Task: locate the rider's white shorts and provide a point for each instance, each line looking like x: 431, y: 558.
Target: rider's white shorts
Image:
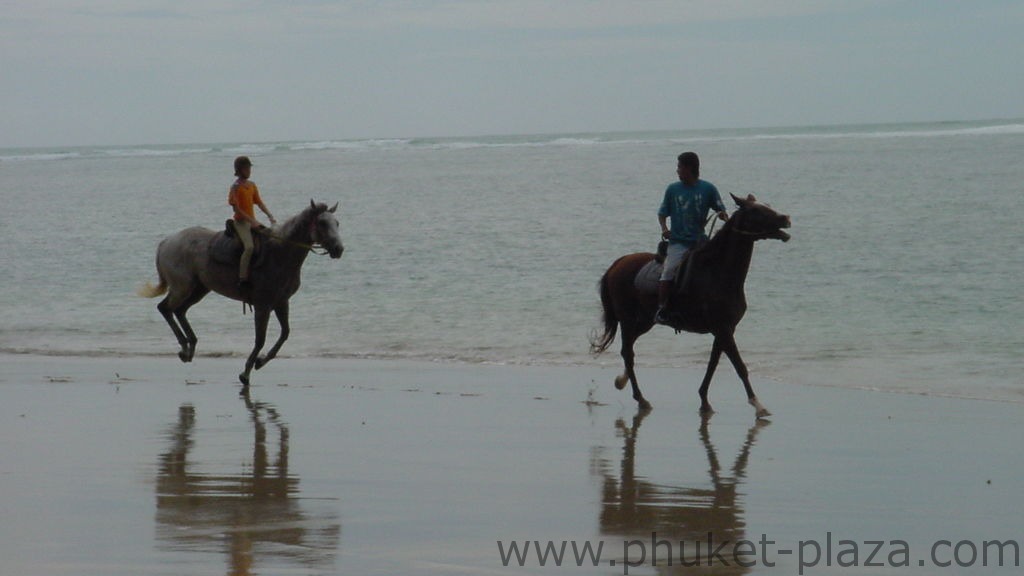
x: 673, y: 259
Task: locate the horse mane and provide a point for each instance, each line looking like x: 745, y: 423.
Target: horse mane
x: 300, y: 221
x: 718, y: 239
x: 729, y: 225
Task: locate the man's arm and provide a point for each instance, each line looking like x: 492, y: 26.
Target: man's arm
x: 717, y: 204
x: 663, y: 212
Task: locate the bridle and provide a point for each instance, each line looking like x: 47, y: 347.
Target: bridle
x: 315, y: 248
x: 713, y: 219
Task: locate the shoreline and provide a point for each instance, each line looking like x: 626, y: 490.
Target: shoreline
x: 609, y: 362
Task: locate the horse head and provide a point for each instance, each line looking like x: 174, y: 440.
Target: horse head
x: 324, y: 228
x: 759, y: 220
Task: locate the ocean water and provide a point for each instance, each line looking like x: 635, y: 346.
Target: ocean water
x: 903, y: 273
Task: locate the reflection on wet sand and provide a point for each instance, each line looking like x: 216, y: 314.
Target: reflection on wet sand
x: 678, y: 518
x: 253, y: 515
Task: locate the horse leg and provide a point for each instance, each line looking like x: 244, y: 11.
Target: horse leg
x: 282, y: 318
x: 190, y: 335
x: 716, y: 354
x: 629, y: 335
x: 168, y: 313
x: 730, y: 349
x: 261, y: 317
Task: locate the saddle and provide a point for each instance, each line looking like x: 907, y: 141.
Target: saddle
x: 648, y: 278
x: 225, y: 247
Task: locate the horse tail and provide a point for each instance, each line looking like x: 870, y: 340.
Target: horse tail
x: 147, y: 290
x: 600, y: 343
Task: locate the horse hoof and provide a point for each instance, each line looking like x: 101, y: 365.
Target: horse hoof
x: 706, y: 410
x: 620, y: 381
x: 184, y: 357
x: 760, y: 411
x: 643, y: 404
x: 243, y: 378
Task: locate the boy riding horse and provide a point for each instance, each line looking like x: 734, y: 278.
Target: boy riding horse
x: 242, y: 197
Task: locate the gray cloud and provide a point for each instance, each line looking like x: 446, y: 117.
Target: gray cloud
x: 95, y: 72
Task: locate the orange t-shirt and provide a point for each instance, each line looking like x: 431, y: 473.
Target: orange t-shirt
x: 243, y: 196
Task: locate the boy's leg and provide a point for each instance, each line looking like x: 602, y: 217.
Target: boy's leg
x: 245, y: 237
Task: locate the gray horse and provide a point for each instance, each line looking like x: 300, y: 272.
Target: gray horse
x: 193, y: 262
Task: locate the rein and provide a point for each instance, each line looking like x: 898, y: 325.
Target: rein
x: 713, y: 219
x: 319, y: 251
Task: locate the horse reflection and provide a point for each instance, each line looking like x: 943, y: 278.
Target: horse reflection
x: 682, y: 518
x: 251, y: 515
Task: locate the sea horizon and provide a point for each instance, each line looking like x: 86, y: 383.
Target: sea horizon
x: 909, y: 128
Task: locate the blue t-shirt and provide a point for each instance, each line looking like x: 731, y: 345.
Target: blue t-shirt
x: 687, y: 207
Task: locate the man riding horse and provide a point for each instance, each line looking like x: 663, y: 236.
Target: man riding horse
x: 708, y: 299
x: 686, y: 204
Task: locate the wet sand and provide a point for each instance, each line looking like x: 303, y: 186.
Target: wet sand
x: 148, y: 466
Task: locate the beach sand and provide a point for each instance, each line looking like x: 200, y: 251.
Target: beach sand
x: 149, y: 466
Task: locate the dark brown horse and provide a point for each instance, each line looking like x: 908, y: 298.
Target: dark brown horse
x: 712, y: 302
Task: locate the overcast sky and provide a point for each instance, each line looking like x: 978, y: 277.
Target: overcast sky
x: 92, y: 72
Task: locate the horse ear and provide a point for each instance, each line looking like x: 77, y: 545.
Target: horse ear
x: 333, y: 208
x: 740, y: 201
x: 312, y: 204
x: 750, y: 198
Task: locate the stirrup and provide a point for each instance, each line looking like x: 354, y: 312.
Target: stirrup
x: 245, y: 292
x: 661, y: 316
